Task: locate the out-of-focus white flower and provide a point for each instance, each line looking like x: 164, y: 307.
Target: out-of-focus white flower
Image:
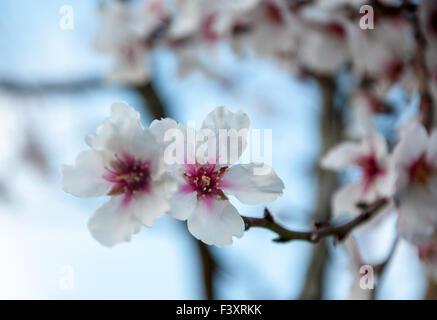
x: 186, y: 19
x: 208, y: 21
x: 336, y: 4
x: 377, y: 174
x: 205, y: 183
x: 323, y: 43
x: 427, y: 252
x: 125, y: 30
x: 383, y: 52
x: 272, y: 32
x: 199, y: 25
x: 319, y: 36
x: 124, y: 163
x: 416, y: 186
x: 363, y: 105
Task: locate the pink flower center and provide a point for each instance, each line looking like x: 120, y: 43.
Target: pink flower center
x: 273, y: 13
x: 129, y: 176
x: 428, y: 252
x: 129, y: 53
x: 206, y: 180
x: 420, y: 171
x: 208, y: 32
x: 374, y: 104
x: 394, y: 69
x: 157, y: 8
x: 336, y: 29
x: 371, y: 169
x: 240, y: 28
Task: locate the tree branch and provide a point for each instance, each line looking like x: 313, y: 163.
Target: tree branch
x: 422, y: 74
x: 321, y: 230
x: 154, y: 103
x: 330, y: 133
x: 70, y: 86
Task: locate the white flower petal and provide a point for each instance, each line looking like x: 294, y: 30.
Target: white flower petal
x: 385, y: 185
x: 85, y: 178
x: 188, y: 17
x: 360, y: 115
x: 112, y: 223
x: 323, y: 52
x: 216, y: 224
x: 173, y: 137
x: 223, y: 118
x: 159, y: 127
x: 412, y: 145
x: 122, y: 133
x: 342, y: 156
x: 236, y: 124
x: 252, y: 187
x: 345, y: 199
x: 146, y: 207
x: 376, y: 143
x: 132, y: 68
x: 417, y: 214
x: 183, y: 205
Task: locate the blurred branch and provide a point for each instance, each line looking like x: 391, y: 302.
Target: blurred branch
x: 209, y: 266
x: 330, y: 132
x: 70, y: 86
x: 154, y: 103
x: 322, y: 230
x: 426, y: 101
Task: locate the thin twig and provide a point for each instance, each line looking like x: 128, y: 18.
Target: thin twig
x: 340, y: 231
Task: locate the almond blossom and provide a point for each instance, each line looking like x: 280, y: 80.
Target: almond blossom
x: 427, y: 253
x: 371, y: 157
x: 125, y: 163
x: 382, y: 53
x: 269, y: 30
x: 323, y: 45
x: 415, y: 159
x: 364, y: 104
x: 124, y: 34
x: 205, y: 183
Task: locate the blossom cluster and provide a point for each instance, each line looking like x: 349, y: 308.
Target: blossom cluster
x: 128, y: 163
x: 407, y: 176
x: 320, y: 37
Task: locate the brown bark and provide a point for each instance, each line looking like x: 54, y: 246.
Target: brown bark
x: 330, y: 128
